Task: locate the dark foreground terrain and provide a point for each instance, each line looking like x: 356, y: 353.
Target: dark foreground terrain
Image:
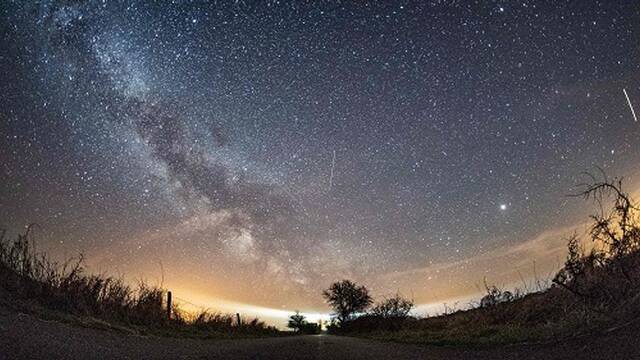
x: 24, y: 336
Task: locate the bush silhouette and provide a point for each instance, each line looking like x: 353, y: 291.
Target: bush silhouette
x: 347, y: 298
x: 296, y: 321
x: 299, y: 324
x: 608, y: 276
x: 396, y: 307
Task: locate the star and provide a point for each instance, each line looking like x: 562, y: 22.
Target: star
x: 261, y: 144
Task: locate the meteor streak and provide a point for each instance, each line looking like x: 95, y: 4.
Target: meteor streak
x: 333, y: 164
x: 633, y: 112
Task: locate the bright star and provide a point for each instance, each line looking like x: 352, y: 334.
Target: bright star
x: 503, y: 207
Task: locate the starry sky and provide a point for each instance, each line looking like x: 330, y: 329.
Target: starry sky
x: 254, y: 152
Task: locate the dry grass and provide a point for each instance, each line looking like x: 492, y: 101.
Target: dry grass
x: 33, y: 279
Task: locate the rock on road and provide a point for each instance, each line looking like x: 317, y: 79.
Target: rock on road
x: 24, y: 336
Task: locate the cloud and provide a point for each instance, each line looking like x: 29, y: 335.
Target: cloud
x: 549, y: 243
x: 506, y: 266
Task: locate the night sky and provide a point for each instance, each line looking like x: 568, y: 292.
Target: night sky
x: 256, y: 152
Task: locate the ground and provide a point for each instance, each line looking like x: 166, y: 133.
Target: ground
x: 25, y: 336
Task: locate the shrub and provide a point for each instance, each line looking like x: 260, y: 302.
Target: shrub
x: 393, y: 307
x: 607, y: 279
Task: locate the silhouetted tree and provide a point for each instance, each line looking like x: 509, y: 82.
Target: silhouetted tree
x: 296, y: 321
x: 299, y: 324
x: 347, y: 298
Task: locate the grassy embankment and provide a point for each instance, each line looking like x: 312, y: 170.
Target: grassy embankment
x: 594, y: 291
x: 32, y: 282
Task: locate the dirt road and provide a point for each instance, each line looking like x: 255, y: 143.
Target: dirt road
x: 24, y: 336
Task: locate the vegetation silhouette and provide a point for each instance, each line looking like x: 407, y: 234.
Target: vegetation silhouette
x: 33, y: 282
x: 394, y: 307
x: 347, y: 299
x: 597, y: 287
x: 387, y: 314
x: 606, y: 278
x: 299, y: 324
x: 594, y: 290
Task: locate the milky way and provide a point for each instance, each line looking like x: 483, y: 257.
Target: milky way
x: 260, y: 151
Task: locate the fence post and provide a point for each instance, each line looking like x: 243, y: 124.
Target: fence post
x: 238, y: 317
x: 169, y: 305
